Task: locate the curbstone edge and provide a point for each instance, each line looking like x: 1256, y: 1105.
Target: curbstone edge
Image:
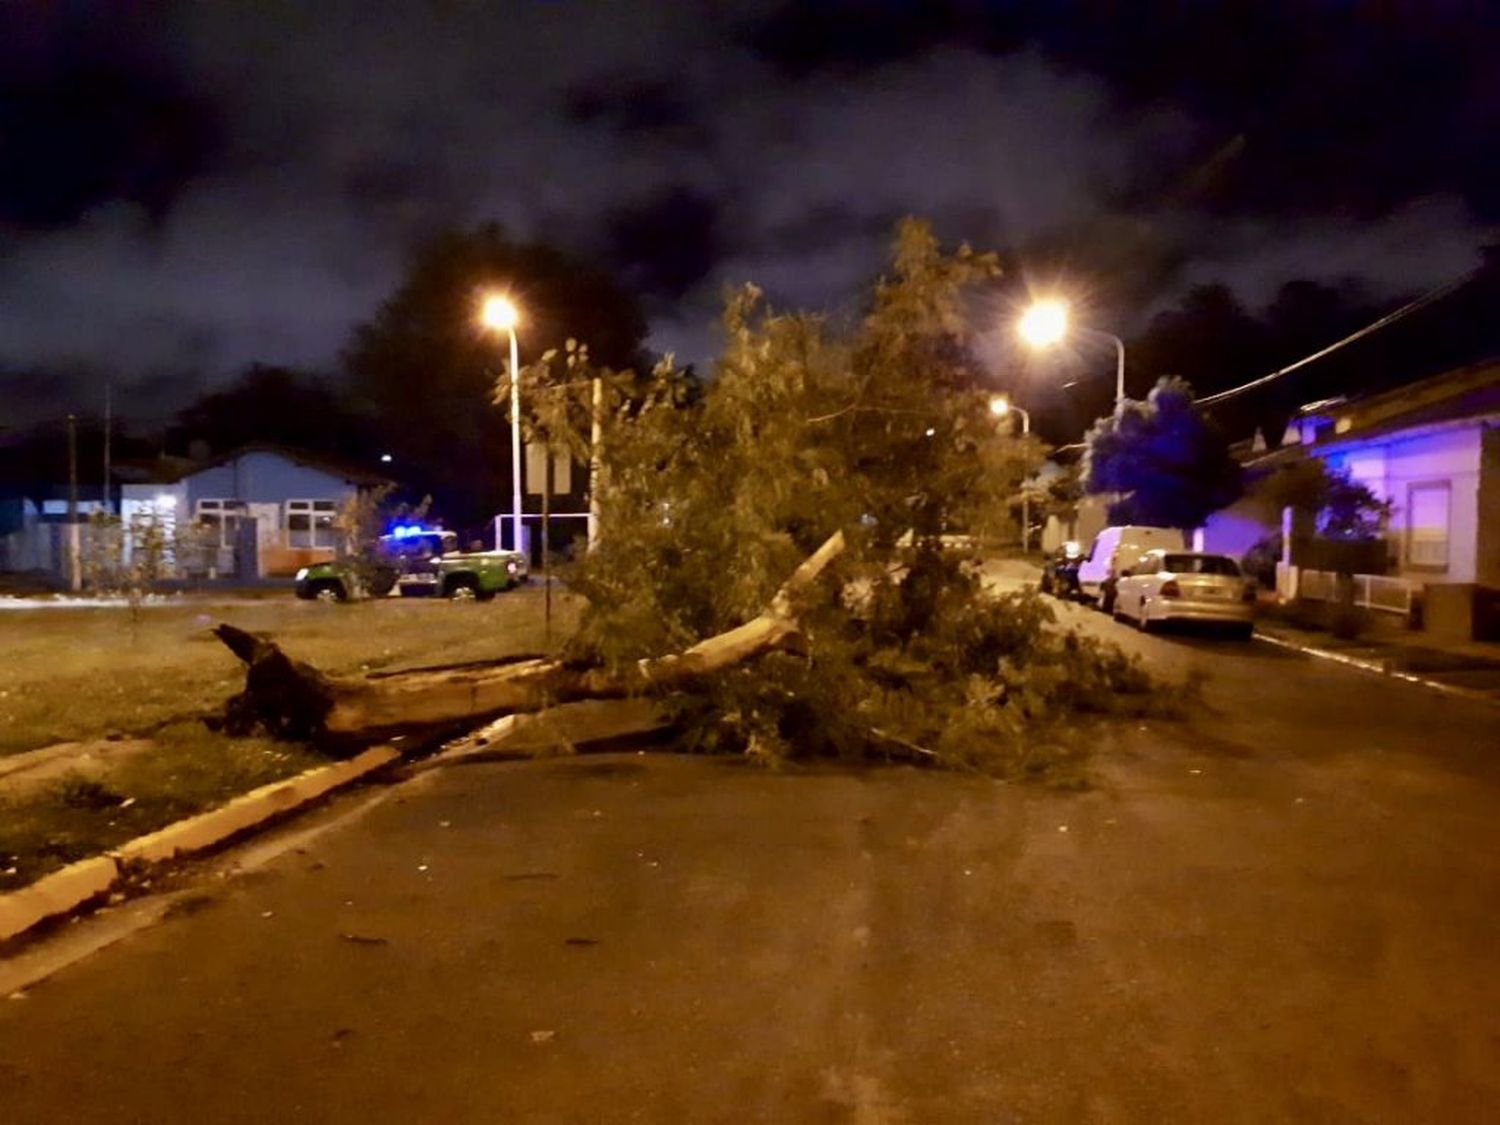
x: 56, y: 893
x: 1380, y: 668
x: 64, y: 891
x: 248, y: 810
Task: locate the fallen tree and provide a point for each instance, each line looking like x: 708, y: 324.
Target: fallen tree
x: 863, y: 461
x: 294, y: 700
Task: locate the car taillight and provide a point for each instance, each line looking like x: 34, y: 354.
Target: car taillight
x: 511, y: 566
x: 1170, y: 589
x: 1248, y: 594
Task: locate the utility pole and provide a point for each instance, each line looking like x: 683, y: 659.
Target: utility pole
x: 546, y: 548
x: 595, y: 431
x: 75, y: 562
x: 108, y: 422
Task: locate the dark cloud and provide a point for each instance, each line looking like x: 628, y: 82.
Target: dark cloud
x: 648, y: 108
x: 1356, y: 107
x: 95, y: 132
x: 805, y: 38
x: 668, y: 243
x: 242, y: 183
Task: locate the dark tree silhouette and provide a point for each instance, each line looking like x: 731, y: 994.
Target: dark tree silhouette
x: 426, y: 370
x: 282, y: 406
x: 1169, y: 465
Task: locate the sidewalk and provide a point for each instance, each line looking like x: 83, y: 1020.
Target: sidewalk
x: 1469, y: 668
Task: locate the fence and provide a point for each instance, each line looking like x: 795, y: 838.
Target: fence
x: 1373, y: 591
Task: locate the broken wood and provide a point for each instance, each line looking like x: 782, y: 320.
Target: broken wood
x: 291, y: 699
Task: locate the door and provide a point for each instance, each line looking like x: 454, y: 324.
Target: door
x: 268, y: 536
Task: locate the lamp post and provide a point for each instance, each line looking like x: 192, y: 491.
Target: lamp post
x: 1046, y: 322
x: 1000, y: 406
x: 499, y: 314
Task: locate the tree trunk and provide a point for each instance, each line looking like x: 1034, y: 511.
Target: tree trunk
x: 293, y: 700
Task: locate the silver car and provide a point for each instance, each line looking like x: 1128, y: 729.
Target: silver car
x: 1186, y: 586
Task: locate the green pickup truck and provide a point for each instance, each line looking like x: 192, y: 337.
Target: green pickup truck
x: 416, y: 562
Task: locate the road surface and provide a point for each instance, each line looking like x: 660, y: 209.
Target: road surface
x: 1284, y: 910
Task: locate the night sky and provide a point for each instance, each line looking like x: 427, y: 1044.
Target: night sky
x: 188, y: 188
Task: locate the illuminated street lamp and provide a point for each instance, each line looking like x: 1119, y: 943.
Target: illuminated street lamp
x: 1046, y: 322
x: 1000, y: 406
x: 499, y: 315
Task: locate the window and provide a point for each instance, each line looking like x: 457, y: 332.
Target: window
x: 1201, y: 564
x: 222, y: 517
x: 1427, y: 514
x: 309, y: 523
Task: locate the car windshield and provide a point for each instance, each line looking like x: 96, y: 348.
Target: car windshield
x: 1201, y: 564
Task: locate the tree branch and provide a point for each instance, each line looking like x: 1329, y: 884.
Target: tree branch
x: 295, y: 700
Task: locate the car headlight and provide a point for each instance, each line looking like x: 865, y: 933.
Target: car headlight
x: 301, y: 574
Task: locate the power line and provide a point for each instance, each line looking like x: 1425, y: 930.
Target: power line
x: 1390, y: 318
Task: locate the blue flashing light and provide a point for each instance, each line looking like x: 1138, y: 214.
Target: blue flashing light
x: 411, y: 531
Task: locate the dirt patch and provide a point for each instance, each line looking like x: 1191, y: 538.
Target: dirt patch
x: 24, y: 773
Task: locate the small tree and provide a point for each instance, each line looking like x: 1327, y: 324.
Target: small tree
x: 1165, y: 460
x: 132, y: 559
x: 1340, y: 510
x: 360, y: 521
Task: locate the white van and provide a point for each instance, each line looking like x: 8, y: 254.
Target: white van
x: 1116, y: 548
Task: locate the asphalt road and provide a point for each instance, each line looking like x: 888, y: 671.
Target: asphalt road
x: 1282, y: 911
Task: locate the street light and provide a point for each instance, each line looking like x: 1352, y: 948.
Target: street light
x: 499, y: 314
x: 1000, y: 406
x: 1046, y: 322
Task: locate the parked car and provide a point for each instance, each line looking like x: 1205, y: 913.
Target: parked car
x: 1186, y: 586
x: 416, y: 561
x: 1060, y: 571
x: 1114, y: 549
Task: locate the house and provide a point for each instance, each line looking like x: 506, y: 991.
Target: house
x: 267, y: 511
x: 1432, y: 449
x: 34, y: 527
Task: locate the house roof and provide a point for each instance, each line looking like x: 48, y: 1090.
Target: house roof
x: 1467, y: 395
x: 170, y: 470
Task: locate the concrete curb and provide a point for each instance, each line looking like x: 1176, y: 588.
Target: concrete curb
x: 1379, y: 668
x: 77, y: 884
x: 56, y: 894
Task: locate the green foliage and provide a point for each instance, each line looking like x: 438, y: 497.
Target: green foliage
x: 883, y: 432
x: 983, y: 683
x: 1165, y: 459
x: 713, y: 499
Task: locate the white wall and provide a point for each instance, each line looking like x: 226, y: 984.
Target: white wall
x: 167, y: 503
x: 1392, y: 466
x: 1451, y: 457
x: 27, y: 548
x: 1090, y: 518
x: 1237, y: 528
